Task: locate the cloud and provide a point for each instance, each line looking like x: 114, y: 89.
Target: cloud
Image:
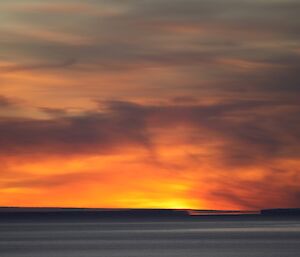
x: 273, y: 188
x: 91, y: 132
x: 56, y: 180
x: 6, y: 102
x: 250, y: 131
x: 221, y: 26
x: 37, y: 66
x: 229, y: 138
x: 206, y: 48
x: 208, y: 88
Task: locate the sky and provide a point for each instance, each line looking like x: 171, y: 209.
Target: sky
x: 150, y: 103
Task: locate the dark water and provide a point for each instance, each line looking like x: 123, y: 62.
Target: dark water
x: 207, y: 238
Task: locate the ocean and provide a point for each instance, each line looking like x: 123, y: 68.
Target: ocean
x: 207, y: 237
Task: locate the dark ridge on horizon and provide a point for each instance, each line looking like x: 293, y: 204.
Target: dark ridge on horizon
x: 281, y: 211
x: 120, y: 210
x: 89, y: 214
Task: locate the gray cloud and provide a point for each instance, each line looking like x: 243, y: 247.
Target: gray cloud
x: 231, y: 69
x: 37, y: 66
x: 141, y: 36
x: 272, y: 192
x: 92, y: 132
x: 252, y: 133
x: 249, y: 133
x: 6, y: 102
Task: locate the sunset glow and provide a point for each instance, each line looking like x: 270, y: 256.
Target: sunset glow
x: 135, y: 104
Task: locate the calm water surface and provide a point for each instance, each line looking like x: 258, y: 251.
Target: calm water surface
x: 207, y: 238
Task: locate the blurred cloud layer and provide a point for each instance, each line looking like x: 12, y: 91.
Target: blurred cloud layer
x: 161, y: 103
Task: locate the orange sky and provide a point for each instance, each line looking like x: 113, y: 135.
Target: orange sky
x: 161, y: 104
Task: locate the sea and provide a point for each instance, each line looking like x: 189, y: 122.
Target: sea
x: 203, y: 237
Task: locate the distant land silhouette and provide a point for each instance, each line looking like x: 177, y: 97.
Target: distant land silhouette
x: 285, y: 211
x: 16, y: 213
